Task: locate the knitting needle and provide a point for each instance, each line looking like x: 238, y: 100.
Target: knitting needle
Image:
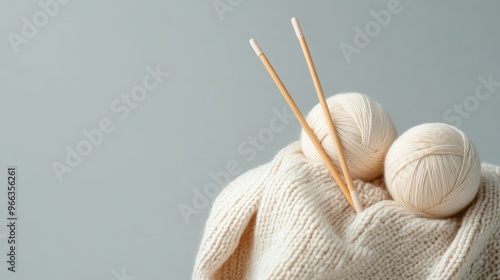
x: 301, y: 120
x: 333, y: 131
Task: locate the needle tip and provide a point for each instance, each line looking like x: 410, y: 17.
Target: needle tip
x: 255, y: 47
x: 296, y: 27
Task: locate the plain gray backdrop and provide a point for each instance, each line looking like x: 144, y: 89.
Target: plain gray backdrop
x: 117, y: 214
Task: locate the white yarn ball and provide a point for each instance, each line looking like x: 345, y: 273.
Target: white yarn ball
x: 433, y: 170
x: 364, y: 128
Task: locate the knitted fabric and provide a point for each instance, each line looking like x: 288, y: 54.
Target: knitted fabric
x: 288, y: 220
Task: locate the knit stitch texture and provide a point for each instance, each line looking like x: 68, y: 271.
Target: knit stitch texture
x: 287, y: 219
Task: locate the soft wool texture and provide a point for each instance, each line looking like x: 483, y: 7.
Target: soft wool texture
x: 433, y: 170
x: 364, y: 128
x: 288, y: 220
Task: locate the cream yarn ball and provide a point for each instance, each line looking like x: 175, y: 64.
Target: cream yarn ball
x: 433, y: 170
x: 364, y: 128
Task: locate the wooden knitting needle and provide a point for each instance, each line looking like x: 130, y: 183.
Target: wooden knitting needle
x: 301, y: 120
x: 358, y: 206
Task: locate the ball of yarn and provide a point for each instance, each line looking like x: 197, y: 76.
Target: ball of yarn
x: 364, y: 128
x: 433, y: 170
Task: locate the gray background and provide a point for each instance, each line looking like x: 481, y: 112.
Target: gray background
x: 118, y: 211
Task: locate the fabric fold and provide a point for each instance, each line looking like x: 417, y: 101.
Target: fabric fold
x: 289, y: 220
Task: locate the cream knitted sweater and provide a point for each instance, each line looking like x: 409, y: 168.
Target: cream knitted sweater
x: 288, y: 220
